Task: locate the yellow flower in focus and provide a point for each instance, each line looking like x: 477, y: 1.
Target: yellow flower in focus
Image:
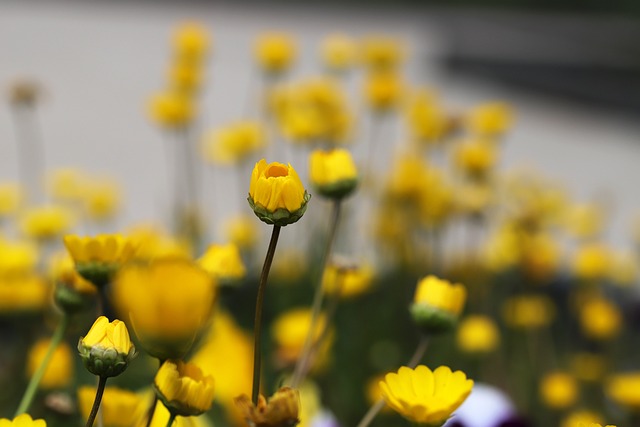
x: 168, y: 301
x: 383, y: 90
x: 120, y: 407
x: 600, y: 319
x: 276, y: 193
x: 338, y: 52
x: 347, y: 280
x: 224, y: 263
x: 581, y: 418
x: 107, y: 348
x: 234, y: 143
x: 437, y: 304
x: 333, y: 173
x: 623, y: 390
x: 171, y: 109
x: 528, y: 311
x: 588, y: 367
x: 478, y: 334
x: 46, y: 222
x: 10, y: 198
x: 475, y: 158
x: 424, y: 396
x: 381, y: 53
x: 281, y: 410
x: 191, y: 42
x: 102, y: 199
x: 490, y: 119
x: 242, y: 232
x: 183, y: 388
x: 290, y: 330
x: 275, y: 52
x: 23, y: 420
x: 59, y: 372
x: 558, y: 390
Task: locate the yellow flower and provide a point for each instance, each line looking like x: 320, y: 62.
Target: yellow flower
x: 281, y: 410
x: 381, y: 53
x: 23, y: 420
x: 558, y: 390
x: 476, y: 157
x: 17, y: 258
x: 224, y: 263
x: 62, y: 270
x: 490, y: 119
x: 437, y: 304
x: 59, y: 372
x: 161, y: 418
x: 191, y: 42
x: 427, y: 120
x: 107, y: 348
x: 154, y: 244
x: 528, y: 311
x: 333, y: 173
x: 383, y: 90
x: 424, y: 396
x: 242, y: 232
x: 478, y: 334
x: 66, y: 184
x: 234, y: 143
x: 623, y: 390
x: 10, y: 198
x: 46, y: 222
x: 23, y: 293
x: 120, y: 408
x: 183, y: 388
x: 102, y: 199
x: 290, y: 331
x: 168, y: 302
x: 347, y: 280
x: 275, y: 52
x: 276, y: 193
x: 338, y: 52
x: 172, y: 109
x: 585, y: 220
x: 600, y: 319
x: 580, y: 418
x: 592, y: 261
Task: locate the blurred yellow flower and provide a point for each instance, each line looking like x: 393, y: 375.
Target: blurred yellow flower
x: 475, y: 158
x: 585, y: 220
x: 66, y: 184
x: 17, y: 258
x: 275, y: 52
x: 46, y: 222
x: 23, y: 293
x: 191, y: 41
x: 383, y: 90
x: 224, y: 263
x: 185, y: 78
x: 600, y: 319
x: 24, y: 92
x: 154, y: 244
x: 276, y: 193
x: 528, y: 311
x: 161, y: 418
x: 437, y: 304
x: 333, y: 173
x: 120, y: 407
x: 107, y: 348
x: 242, y: 231
x: 282, y: 409
x: 289, y: 266
x: 592, y: 261
x: 381, y: 52
x: 477, y: 334
x: 234, y: 143
x: 558, y: 390
x: 624, y: 268
x: 347, y: 280
x: 580, y: 418
x: 171, y: 109
x: 490, y: 119
x: 10, y: 198
x: 102, y: 199
x: 168, y: 301
x: 61, y: 269
x: 623, y: 389
x: 338, y: 52
x: 588, y: 367
x: 289, y: 331
x: 424, y: 396
x: 183, y: 388
x: 426, y: 119
x: 23, y: 420
x: 59, y: 372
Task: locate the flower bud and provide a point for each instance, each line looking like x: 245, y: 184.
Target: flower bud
x: 437, y: 304
x: 183, y: 388
x: 106, y: 349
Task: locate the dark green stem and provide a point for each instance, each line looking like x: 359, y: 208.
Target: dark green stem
x: 96, y: 402
x: 257, y: 325
x: 172, y: 418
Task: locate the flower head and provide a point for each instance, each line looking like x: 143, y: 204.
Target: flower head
x: 528, y: 311
x: 600, y: 319
x: 234, y: 143
x: 275, y: 52
x: 338, y: 52
x: 183, y: 388
x: 382, y: 53
x: 437, y: 304
x: 476, y: 157
x: 172, y: 109
x: 46, y: 222
x: 106, y: 349
x: 478, y: 335
x: 10, y: 198
x: 425, y: 396
x: 333, y: 173
x: 191, y: 42
x: 623, y: 390
x: 347, y: 279
x: 558, y: 390
x: 224, y: 263
x: 59, y: 372
x: 282, y: 409
x: 490, y: 119
x: 383, y: 90
x: 276, y: 193
x: 23, y: 420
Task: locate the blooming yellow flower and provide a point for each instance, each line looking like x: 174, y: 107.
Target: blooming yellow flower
x: 191, y: 42
x: 46, y: 222
x: 107, y: 348
x: 224, y: 263
x: 478, y: 334
x: 10, y: 198
x: 59, y: 372
x: 381, y: 53
x: 424, y: 396
x: 476, y: 157
x: 276, y: 193
x: 275, y: 52
x: 282, y: 409
x: 120, y: 407
x: 241, y: 230
x: 183, y: 388
x: 592, y: 261
x: 528, y: 311
x: 347, y: 280
x: 437, y: 304
x: 383, y: 90
x: 581, y: 418
x: 558, y: 390
x: 600, y: 319
x: 333, y: 173
x: 234, y: 143
x: 171, y: 109
x: 338, y: 52
x: 23, y: 420
x: 490, y: 119
x: 623, y: 390
x: 168, y: 302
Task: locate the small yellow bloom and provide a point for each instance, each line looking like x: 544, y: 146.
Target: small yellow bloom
x: 338, y: 52
x: 234, y: 143
x: 172, y: 109
x: 59, y: 372
x: 10, y: 198
x: 600, y: 319
x: 333, y: 173
x: 224, y: 263
x: 191, y: 42
x: 478, y: 335
x: 476, y: 157
x: 581, y: 418
x: 120, y: 407
x: 102, y: 199
x: 275, y: 52
x: 528, y: 311
x: 46, y: 222
x: 17, y: 258
x: 107, y: 348
x: 183, y: 388
x: 490, y: 119
x: 592, y: 261
x: 281, y: 410
x: 424, y: 396
x: 558, y: 390
x: 382, y: 53
x: 66, y: 184
x: 155, y: 244
x: 437, y: 304
x: 383, y: 90
x: 23, y: 420
x: 427, y: 120
x: 242, y: 232
x: 276, y: 193
x: 347, y: 280
x: 623, y: 390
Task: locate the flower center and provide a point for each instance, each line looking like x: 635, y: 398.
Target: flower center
x: 277, y: 170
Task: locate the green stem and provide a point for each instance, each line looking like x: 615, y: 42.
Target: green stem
x: 298, y: 372
x: 172, y: 418
x: 257, y: 326
x: 152, y: 408
x: 30, y: 393
x: 96, y: 402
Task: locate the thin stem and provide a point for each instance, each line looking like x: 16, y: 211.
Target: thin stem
x: 298, y: 372
x: 172, y: 418
x: 30, y: 152
x: 152, y: 408
x: 30, y: 393
x: 96, y: 403
x: 413, y: 362
x: 257, y: 326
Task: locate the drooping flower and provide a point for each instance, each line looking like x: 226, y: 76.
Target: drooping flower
x: 183, y: 388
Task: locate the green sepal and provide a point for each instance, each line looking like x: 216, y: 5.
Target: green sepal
x: 280, y: 217
x: 338, y: 189
x: 432, y: 320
